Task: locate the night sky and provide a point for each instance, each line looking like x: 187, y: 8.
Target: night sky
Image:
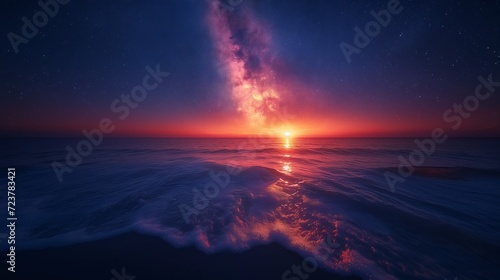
x: 231, y: 72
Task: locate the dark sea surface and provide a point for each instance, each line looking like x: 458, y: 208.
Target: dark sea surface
x: 441, y: 222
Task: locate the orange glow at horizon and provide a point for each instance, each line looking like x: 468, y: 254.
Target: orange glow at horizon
x: 304, y: 124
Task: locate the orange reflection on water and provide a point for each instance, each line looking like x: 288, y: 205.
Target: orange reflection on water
x: 287, y: 165
x: 290, y: 213
x: 287, y: 140
x: 287, y: 143
x: 287, y: 168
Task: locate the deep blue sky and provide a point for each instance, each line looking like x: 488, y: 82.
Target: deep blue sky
x: 424, y: 61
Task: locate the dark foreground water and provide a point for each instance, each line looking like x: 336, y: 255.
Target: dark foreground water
x: 233, y: 195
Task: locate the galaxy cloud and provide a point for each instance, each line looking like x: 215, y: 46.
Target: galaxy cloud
x: 244, y: 57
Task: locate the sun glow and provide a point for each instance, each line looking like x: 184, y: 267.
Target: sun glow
x: 287, y: 139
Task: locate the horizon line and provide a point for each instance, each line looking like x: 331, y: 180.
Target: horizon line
x: 240, y: 137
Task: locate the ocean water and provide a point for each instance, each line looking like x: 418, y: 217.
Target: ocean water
x: 442, y: 222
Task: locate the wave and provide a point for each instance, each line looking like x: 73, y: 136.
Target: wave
x: 449, y: 172
x: 249, y: 148
x: 378, y: 234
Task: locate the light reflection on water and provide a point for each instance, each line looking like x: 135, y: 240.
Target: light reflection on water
x: 286, y: 164
x: 292, y: 191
